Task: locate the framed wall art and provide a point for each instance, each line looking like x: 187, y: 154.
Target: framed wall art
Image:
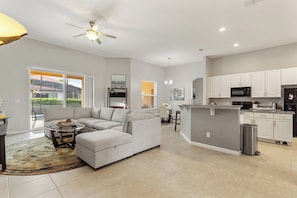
x: 177, y: 94
x: 118, y: 81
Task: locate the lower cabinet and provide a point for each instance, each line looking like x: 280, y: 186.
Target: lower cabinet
x: 265, y: 125
x: 248, y: 118
x: 271, y: 126
x: 283, y: 127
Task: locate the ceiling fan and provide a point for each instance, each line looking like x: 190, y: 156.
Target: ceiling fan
x: 248, y: 3
x: 92, y: 34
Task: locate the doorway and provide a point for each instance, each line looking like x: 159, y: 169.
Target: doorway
x: 148, y: 94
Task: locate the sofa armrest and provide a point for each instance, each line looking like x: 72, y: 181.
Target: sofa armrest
x: 146, y: 133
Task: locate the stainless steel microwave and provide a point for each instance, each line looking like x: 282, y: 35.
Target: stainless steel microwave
x: 241, y: 92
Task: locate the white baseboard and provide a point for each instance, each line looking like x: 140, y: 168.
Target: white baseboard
x: 185, y: 137
x: 214, y: 148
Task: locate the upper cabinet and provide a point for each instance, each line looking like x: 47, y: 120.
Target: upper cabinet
x: 240, y: 80
x: 289, y: 76
x: 219, y: 86
x: 266, y: 84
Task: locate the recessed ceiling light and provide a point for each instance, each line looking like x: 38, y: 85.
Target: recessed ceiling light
x: 235, y: 45
x: 222, y: 29
x: 201, y: 50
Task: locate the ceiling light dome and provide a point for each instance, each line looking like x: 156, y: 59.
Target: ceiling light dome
x: 10, y: 29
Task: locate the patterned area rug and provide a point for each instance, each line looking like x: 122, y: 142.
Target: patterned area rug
x: 39, y: 156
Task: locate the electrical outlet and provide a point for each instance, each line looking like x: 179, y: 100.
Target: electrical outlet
x: 208, y: 134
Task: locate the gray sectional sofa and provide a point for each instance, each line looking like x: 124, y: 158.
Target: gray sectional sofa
x: 112, y: 134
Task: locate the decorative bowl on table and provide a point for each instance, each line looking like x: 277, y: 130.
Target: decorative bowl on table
x: 66, y: 123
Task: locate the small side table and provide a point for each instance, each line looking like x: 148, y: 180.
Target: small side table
x: 3, y: 128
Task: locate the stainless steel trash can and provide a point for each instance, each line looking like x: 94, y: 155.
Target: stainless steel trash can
x: 249, y: 140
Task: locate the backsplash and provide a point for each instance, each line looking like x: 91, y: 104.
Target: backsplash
x: 263, y: 102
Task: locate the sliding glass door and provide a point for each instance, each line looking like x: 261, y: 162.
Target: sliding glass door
x: 53, y: 90
x: 74, y: 88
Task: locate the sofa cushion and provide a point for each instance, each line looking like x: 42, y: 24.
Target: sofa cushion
x: 106, y: 113
x: 89, y: 122
x: 118, y: 128
x: 58, y: 113
x: 132, y: 117
x: 95, y: 113
x: 120, y: 114
x: 101, y: 140
x: 82, y: 112
x: 106, y: 125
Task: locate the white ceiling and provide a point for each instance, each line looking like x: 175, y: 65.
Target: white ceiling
x: 153, y: 30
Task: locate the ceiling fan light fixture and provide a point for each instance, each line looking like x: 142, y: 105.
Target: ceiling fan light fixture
x: 222, y: 29
x: 92, y: 35
x: 10, y: 29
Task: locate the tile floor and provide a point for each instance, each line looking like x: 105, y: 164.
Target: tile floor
x: 176, y: 169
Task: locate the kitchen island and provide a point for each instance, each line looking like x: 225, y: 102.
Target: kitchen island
x: 212, y: 126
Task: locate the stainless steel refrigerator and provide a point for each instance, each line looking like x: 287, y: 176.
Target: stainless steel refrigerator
x: 290, y: 104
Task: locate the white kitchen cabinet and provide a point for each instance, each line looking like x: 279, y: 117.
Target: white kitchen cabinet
x: 289, y: 76
x: 248, y: 118
x: 271, y: 126
x: 266, y: 84
x: 214, y: 82
x: 264, y: 121
x: 258, y: 84
x: 240, y: 80
x: 219, y: 86
x: 273, y: 83
x: 283, y: 128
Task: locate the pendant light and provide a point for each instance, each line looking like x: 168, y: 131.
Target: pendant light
x: 10, y: 29
x: 169, y: 80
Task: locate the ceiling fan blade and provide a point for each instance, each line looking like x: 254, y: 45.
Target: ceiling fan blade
x: 248, y: 3
x: 75, y: 26
x: 95, y: 27
x: 98, y: 40
x: 107, y: 35
x: 79, y: 35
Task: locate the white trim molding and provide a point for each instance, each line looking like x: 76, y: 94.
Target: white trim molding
x: 214, y: 148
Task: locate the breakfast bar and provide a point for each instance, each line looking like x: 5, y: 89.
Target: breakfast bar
x: 212, y: 126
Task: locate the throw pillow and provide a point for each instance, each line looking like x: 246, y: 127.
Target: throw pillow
x: 95, y: 113
x: 106, y: 113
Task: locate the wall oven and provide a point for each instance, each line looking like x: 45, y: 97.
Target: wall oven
x: 241, y: 92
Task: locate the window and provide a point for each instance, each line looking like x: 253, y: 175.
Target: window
x: 149, y: 94
x: 74, y: 87
x: 49, y: 89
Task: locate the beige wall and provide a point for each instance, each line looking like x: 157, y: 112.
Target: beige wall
x: 16, y: 60
x: 265, y: 59
x: 142, y: 71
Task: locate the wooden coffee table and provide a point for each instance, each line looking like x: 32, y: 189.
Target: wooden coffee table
x: 73, y: 130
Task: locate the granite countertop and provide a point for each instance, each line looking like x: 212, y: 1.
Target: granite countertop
x: 198, y: 106
x: 235, y: 107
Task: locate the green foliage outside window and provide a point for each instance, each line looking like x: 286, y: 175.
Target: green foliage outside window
x: 55, y: 101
